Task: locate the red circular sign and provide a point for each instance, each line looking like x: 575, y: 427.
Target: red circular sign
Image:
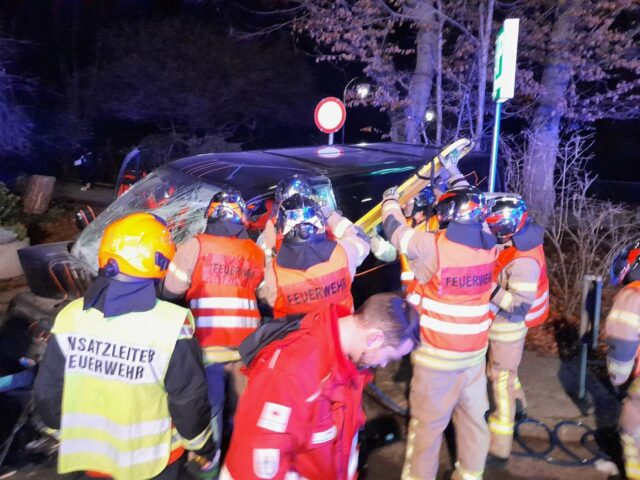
x: 330, y: 115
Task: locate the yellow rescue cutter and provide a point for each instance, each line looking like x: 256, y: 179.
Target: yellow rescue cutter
x: 416, y: 182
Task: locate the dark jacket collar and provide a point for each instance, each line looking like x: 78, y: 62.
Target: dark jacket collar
x: 303, y: 255
x: 266, y: 334
x: 529, y: 237
x: 226, y: 229
x: 114, y: 298
x: 470, y: 235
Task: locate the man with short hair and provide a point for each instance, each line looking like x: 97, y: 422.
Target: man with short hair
x: 301, y: 412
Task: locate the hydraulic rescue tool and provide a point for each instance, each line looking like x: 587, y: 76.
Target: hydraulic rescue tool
x: 416, y: 182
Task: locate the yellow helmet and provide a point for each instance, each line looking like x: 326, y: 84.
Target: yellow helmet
x: 138, y: 245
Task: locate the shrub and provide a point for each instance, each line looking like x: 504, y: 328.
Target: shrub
x: 11, y: 228
x: 585, y: 233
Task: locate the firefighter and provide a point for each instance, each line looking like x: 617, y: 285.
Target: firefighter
x: 453, y: 269
x: 122, y: 377
x: 218, y: 272
x: 520, y: 301
x: 301, y: 413
x: 622, y: 331
x: 310, y: 269
x: 270, y: 239
x: 419, y: 213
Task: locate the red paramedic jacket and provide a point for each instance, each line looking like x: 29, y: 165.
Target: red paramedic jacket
x: 301, y: 412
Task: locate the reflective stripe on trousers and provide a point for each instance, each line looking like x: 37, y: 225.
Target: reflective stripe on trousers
x: 502, y: 373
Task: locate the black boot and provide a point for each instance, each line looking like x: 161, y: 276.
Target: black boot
x: 496, y: 462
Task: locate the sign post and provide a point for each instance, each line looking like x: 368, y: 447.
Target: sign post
x: 504, y: 80
x: 329, y: 116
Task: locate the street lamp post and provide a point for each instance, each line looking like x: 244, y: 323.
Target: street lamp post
x: 362, y: 90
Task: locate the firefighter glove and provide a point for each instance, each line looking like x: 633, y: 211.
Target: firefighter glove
x: 450, y: 160
x: 391, y: 194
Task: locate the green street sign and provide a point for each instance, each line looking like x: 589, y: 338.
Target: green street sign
x: 504, y: 73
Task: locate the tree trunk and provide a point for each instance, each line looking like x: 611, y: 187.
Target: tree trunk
x: 484, y: 37
x: 38, y: 193
x: 540, y: 160
x: 408, y: 129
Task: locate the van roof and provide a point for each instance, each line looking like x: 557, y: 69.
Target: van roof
x: 258, y: 170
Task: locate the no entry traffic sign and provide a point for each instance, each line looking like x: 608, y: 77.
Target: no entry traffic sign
x: 330, y: 115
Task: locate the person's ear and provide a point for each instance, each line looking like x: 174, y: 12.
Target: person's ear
x: 375, y: 339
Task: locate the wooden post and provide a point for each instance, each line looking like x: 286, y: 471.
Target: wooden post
x: 38, y: 193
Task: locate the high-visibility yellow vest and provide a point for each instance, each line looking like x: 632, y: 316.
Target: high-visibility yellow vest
x: 115, y: 415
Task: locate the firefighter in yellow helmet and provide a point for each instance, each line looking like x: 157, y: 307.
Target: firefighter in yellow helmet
x: 122, y: 377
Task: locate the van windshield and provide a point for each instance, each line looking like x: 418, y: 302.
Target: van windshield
x: 179, y: 199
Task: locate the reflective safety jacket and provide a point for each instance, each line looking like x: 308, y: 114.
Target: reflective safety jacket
x: 523, y: 298
x: 303, y: 291
x: 622, y: 331
x: 300, y: 415
x: 454, y: 306
x: 115, y: 416
x: 222, y: 292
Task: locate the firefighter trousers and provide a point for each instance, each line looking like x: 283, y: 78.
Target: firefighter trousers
x: 629, y: 427
x: 438, y: 396
x: 219, y: 377
x: 502, y: 373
